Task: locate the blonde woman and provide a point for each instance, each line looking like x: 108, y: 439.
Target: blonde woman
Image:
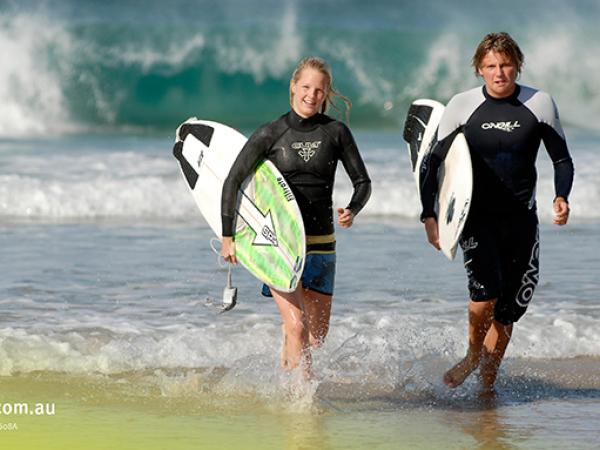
x: 305, y: 145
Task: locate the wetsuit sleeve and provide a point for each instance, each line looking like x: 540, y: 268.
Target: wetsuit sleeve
x: 251, y: 154
x: 428, y: 174
x: 356, y: 169
x: 556, y: 146
x: 564, y: 170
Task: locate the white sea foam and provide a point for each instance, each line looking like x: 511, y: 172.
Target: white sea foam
x: 179, y: 54
x: 115, y: 185
x: 130, y: 184
x: 262, y: 54
x: 356, y: 347
x: 32, y: 100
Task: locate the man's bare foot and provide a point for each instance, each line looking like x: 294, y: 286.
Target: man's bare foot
x: 487, y: 394
x: 458, y: 374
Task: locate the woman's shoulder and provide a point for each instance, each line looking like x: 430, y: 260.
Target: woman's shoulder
x: 276, y: 126
x: 333, y: 125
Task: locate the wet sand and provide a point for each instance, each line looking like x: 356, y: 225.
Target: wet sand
x: 539, y: 404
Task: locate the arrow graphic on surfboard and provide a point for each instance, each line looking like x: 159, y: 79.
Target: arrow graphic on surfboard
x: 261, y: 224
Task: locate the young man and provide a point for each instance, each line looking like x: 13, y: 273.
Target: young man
x: 504, y: 124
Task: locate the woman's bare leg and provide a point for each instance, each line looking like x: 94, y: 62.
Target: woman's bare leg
x: 296, y: 342
x: 317, y: 308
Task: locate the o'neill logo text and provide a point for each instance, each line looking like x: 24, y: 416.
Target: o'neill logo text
x: 306, y: 149
x: 502, y: 126
x: 530, y: 278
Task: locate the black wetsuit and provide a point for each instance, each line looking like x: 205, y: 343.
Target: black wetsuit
x: 306, y: 151
x: 500, y: 238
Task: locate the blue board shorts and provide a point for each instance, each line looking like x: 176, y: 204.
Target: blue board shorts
x: 319, y: 267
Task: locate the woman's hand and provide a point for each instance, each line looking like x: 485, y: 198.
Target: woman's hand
x: 228, y: 249
x: 345, y: 217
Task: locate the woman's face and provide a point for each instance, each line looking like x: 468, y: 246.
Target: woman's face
x: 499, y: 73
x: 309, y: 92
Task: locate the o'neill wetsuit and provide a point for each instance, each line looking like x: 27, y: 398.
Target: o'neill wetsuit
x: 500, y: 237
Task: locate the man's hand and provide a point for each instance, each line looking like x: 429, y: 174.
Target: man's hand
x: 431, y: 228
x: 561, y: 211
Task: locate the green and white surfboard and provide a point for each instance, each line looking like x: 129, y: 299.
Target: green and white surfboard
x: 269, y: 236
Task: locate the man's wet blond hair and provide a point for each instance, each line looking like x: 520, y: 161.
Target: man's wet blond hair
x: 500, y: 42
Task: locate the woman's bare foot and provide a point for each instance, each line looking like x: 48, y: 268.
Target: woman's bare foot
x: 458, y: 374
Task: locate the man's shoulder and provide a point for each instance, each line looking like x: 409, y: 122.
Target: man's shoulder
x: 459, y: 109
x: 467, y: 101
x: 469, y: 94
x: 540, y: 103
x: 530, y: 94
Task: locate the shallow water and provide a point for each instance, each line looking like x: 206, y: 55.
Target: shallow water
x: 110, y: 322
x: 108, y: 309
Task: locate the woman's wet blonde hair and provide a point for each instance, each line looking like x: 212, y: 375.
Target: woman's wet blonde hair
x: 314, y: 62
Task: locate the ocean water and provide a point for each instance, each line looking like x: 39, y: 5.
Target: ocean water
x: 109, y: 287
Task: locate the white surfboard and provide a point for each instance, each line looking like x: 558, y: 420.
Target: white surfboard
x: 455, y: 176
x: 269, y: 231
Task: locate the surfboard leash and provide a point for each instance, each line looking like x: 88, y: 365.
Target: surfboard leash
x: 229, y: 291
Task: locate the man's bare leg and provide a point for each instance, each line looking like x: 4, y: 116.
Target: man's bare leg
x: 494, y: 347
x: 480, y: 320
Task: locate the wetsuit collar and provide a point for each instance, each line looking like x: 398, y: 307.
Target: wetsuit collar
x: 300, y: 123
x: 511, y: 97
